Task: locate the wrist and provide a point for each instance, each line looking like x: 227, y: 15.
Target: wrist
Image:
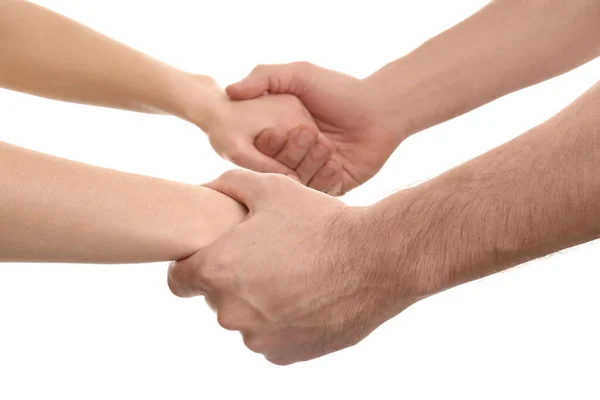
x: 398, y: 239
x: 418, y: 91
x: 203, y: 102
x: 378, y: 245
x: 203, y: 215
x: 427, y: 239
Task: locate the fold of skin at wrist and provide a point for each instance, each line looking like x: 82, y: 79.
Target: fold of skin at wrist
x: 199, y: 100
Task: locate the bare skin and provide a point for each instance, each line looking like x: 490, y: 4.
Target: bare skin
x: 305, y: 275
x: 508, y: 45
x: 56, y: 210
x: 348, y: 270
x: 52, y: 56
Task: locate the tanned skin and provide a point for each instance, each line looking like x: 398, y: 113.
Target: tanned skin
x: 305, y: 275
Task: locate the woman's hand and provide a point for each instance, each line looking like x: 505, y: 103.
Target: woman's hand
x: 233, y: 126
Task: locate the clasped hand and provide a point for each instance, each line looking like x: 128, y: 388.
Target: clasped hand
x: 294, y: 278
x: 316, y: 125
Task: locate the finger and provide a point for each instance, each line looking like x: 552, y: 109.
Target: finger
x: 234, y: 313
x: 253, y: 341
x: 291, y: 78
x: 338, y: 188
x: 270, y: 142
x: 241, y: 185
x: 327, y: 176
x: 253, y: 159
x: 226, y: 317
x: 182, y: 277
x: 312, y: 162
x: 300, y: 141
x: 211, y: 303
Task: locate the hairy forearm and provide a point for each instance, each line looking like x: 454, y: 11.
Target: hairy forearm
x: 56, y: 210
x: 506, y: 46
x: 49, y: 55
x: 528, y: 198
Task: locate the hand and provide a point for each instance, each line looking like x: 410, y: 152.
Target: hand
x: 234, y: 126
x: 342, y: 108
x: 298, y: 278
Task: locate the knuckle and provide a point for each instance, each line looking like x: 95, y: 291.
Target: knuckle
x: 290, y: 157
x: 255, y: 343
x: 260, y: 68
x: 302, y: 65
x: 231, y: 174
x: 172, y: 281
x: 227, y: 321
x: 178, y: 280
x: 235, y: 153
x: 274, y: 181
x: 279, y: 361
x: 205, y: 277
x: 212, y: 273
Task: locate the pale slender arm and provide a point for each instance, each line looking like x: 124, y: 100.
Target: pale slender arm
x: 528, y: 198
x: 56, y: 210
x: 46, y: 54
x: 506, y: 46
x: 49, y: 55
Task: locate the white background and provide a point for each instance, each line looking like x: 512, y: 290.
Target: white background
x: 116, y: 332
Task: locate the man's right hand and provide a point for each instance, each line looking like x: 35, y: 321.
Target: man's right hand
x: 343, y: 109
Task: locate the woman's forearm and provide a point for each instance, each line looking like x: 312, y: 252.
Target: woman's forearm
x: 56, y: 210
x: 508, y: 45
x: 49, y: 55
x: 46, y: 54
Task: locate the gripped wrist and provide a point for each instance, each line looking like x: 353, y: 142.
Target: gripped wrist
x: 203, y: 102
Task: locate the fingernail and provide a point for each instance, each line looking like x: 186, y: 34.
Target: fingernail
x: 319, y: 151
x: 305, y: 139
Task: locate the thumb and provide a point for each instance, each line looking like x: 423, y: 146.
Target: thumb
x: 291, y: 78
x: 241, y: 185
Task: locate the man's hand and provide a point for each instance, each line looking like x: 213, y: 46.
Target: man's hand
x: 233, y: 126
x: 299, y: 278
x: 342, y: 107
x: 479, y: 60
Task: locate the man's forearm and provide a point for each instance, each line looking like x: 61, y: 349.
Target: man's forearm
x: 506, y: 46
x: 56, y: 210
x: 49, y: 55
x: 528, y: 198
